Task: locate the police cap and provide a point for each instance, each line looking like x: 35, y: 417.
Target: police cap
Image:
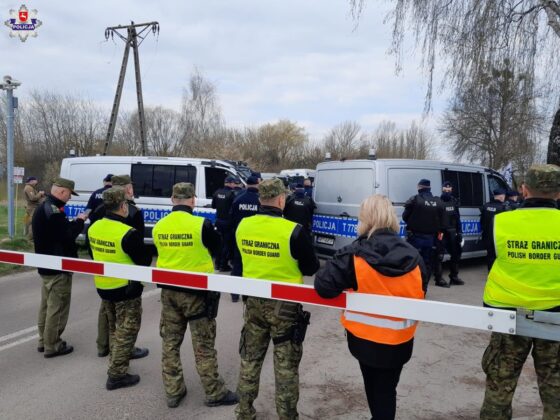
x: 447, y: 184
x: 512, y: 193
x: 271, y: 188
x: 253, y: 180
x: 121, y: 180
x: 183, y: 190
x: 499, y: 191
x: 65, y: 183
x: 424, y: 182
x: 543, y: 178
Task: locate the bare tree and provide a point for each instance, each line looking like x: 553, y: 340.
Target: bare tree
x: 413, y: 143
x: 473, y: 36
x: 494, y: 120
x: 201, y: 118
x: 272, y: 147
x: 162, y: 126
x: 345, y: 141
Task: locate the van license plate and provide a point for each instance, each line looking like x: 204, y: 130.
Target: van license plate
x: 324, y: 240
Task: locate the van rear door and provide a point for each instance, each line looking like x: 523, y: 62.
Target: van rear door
x: 340, y: 187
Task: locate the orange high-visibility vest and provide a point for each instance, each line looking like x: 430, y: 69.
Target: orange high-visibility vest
x: 379, y: 328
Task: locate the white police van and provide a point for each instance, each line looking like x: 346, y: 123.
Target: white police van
x: 153, y: 179
x: 340, y: 187
x: 296, y: 176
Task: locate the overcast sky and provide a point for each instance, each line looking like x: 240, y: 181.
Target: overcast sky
x: 270, y: 60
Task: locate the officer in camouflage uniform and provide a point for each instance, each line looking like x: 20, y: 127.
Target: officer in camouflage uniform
x: 112, y: 240
x: 272, y: 248
x: 187, y: 242
x: 54, y: 234
x: 33, y: 199
x: 524, y: 275
x: 134, y: 219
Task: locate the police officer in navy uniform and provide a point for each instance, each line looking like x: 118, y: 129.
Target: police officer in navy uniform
x: 299, y: 208
x: 96, y: 197
x: 238, y: 186
x: 245, y: 204
x: 512, y: 199
x: 451, y: 239
x: 487, y: 213
x: 423, y: 215
x: 308, y: 187
x: 222, y: 201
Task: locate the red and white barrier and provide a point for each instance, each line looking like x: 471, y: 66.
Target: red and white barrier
x: 421, y: 310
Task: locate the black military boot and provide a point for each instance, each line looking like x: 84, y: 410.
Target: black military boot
x: 122, y: 382
x: 138, y: 353
x: 455, y: 281
x: 173, y: 402
x: 442, y: 283
x: 230, y: 398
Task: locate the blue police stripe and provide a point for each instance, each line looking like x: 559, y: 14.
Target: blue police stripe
x: 150, y: 215
x: 348, y: 226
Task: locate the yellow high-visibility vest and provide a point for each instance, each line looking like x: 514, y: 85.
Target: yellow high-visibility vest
x: 178, y: 239
x: 526, y: 273
x: 264, y: 244
x: 105, y: 239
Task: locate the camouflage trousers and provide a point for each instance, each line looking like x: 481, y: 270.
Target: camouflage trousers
x: 124, y: 318
x: 503, y: 361
x: 103, y: 328
x: 267, y: 319
x: 54, y: 310
x: 177, y: 308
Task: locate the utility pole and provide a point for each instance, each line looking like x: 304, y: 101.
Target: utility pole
x: 133, y: 32
x: 9, y: 85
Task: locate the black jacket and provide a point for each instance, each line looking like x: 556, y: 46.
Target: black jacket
x: 451, y: 216
x: 53, y: 233
x: 423, y: 213
x: 96, y: 198
x: 210, y: 239
x: 133, y: 244
x: 301, y: 246
x: 222, y: 201
x: 245, y: 204
x: 299, y: 208
x: 391, y: 256
x: 487, y: 213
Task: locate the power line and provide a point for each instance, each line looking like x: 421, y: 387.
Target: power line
x: 135, y: 35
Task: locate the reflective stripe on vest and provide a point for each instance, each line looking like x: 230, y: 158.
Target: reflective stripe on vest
x: 378, y: 328
x: 526, y: 272
x: 178, y: 239
x: 379, y: 322
x: 264, y: 244
x: 105, y: 239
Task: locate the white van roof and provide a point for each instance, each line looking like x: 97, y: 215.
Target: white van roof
x: 152, y: 159
x: 368, y: 163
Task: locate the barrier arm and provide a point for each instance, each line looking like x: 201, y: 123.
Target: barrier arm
x: 454, y: 314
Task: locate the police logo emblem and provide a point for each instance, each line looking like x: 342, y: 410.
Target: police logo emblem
x: 23, y: 23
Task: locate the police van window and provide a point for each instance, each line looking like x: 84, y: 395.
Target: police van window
x: 158, y: 180
x: 467, y: 187
x: 142, y: 176
x: 494, y: 183
x: 214, y: 180
x: 162, y: 184
x: 402, y: 182
x: 185, y: 174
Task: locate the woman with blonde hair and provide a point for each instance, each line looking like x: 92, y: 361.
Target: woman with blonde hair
x: 377, y: 262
